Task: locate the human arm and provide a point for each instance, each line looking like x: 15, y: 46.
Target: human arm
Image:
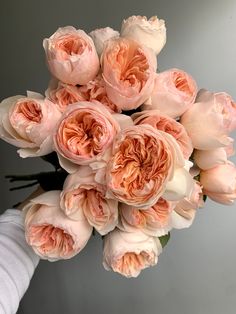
x: 17, y: 261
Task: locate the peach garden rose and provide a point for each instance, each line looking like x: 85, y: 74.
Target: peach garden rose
x: 130, y: 253
x: 154, y: 221
x: 51, y: 234
x: 71, y: 56
x: 128, y: 70
x: 219, y: 183
x: 82, y: 195
x: 173, y: 93
x: 28, y: 123
x: 166, y: 124
x: 208, y: 122
x: 85, y: 132
x: 143, y: 161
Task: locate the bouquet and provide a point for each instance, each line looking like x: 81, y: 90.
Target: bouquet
x: 136, y: 152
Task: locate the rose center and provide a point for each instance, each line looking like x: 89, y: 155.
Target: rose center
x: 30, y: 110
x: 72, y: 45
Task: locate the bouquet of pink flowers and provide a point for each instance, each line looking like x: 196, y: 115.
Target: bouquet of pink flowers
x: 135, y: 152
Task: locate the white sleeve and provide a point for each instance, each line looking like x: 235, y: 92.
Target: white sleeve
x: 17, y: 261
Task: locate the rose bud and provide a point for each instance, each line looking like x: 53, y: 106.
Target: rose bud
x: 28, y: 123
x: 219, y: 183
x: 71, y: 56
x: 51, y: 234
x: 82, y: 194
x: 185, y: 210
x: 101, y: 35
x: 173, y: 93
x: 150, y: 33
x: 130, y: 252
x: 166, y: 124
x: 128, y: 71
x: 207, y: 159
x: 207, y: 122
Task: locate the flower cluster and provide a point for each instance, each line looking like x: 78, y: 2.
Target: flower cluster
x: 140, y: 148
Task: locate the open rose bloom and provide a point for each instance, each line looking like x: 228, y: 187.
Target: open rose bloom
x: 136, y: 151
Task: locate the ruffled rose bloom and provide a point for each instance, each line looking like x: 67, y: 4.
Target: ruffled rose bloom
x: 150, y: 33
x: 207, y: 122
x: 63, y: 94
x: 85, y: 132
x: 174, y: 92
x: 101, y: 35
x: 95, y: 90
x: 184, y: 213
x: 129, y: 71
x: 28, y: 123
x: 83, y: 195
x: 143, y: 161
x: 71, y: 56
x: 129, y: 253
x: 51, y: 234
x: 166, y: 124
x: 219, y: 183
x: 207, y: 159
x: 154, y: 221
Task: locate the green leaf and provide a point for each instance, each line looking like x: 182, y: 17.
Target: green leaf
x: 164, y: 239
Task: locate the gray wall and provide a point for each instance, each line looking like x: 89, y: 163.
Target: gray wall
x: 196, y: 274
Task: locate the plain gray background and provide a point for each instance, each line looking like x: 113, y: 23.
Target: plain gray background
x: 196, y: 273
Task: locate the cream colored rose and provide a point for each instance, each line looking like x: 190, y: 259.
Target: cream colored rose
x: 101, y: 35
x: 150, y: 33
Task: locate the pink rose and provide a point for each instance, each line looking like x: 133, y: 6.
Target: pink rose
x: 71, y: 56
x: 184, y: 213
x: 129, y: 253
x: 229, y: 109
x: 63, y: 94
x: 207, y: 122
x: 95, y: 90
x: 101, y: 35
x: 129, y: 71
x: 85, y: 132
x: 207, y: 159
x: 28, y: 123
x: 219, y: 183
x: 150, y: 33
x: 166, y: 124
x: 174, y: 92
x: 82, y: 195
x: 154, y: 221
x: 143, y: 161
x: 51, y: 234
